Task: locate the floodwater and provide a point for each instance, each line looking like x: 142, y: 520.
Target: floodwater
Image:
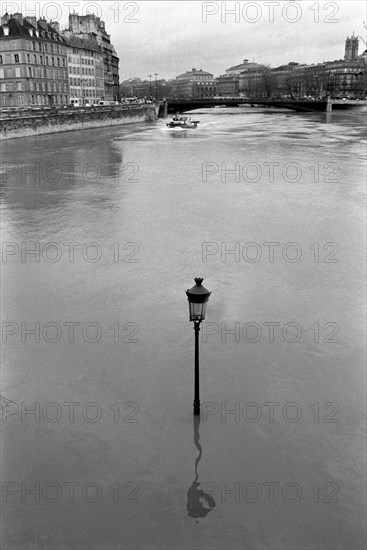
x: 268, y: 207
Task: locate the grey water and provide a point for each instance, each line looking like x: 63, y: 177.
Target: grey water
x: 268, y: 207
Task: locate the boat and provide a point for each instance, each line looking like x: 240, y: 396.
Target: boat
x: 179, y: 121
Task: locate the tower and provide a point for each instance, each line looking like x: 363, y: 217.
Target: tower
x: 348, y: 49
x: 351, y: 48
x: 354, y: 47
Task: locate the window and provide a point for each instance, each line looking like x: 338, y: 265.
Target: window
x: 41, y: 59
x: 28, y: 58
x: 2, y: 73
x: 34, y: 45
x: 46, y: 60
x: 17, y: 72
x: 34, y: 59
x: 16, y: 58
x: 63, y: 62
x: 30, y: 71
x: 58, y: 62
x: 45, y: 47
x: 1, y: 59
x: 51, y: 49
x: 53, y: 60
x: 40, y: 46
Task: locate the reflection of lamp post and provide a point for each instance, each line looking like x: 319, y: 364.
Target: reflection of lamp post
x: 156, y: 86
x: 198, y: 297
x: 196, y: 496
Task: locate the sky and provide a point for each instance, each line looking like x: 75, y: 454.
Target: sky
x: 171, y: 37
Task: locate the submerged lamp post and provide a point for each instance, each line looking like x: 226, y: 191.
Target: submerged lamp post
x: 198, y: 297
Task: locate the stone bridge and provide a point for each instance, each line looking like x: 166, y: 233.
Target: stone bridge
x: 188, y: 104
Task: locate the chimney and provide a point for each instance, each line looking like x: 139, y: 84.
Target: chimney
x: 245, y: 61
x: 18, y: 17
x: 193, y: 70
x: 55, y: 25
x: 31, y: 19
x: 5, y: 19
x: 43, y: 24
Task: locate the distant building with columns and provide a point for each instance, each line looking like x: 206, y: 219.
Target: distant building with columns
x: 195, y: 83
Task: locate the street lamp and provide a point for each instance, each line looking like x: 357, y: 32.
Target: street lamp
x: 156, y: 88
x: 198, y: 297
x: 150, y: 85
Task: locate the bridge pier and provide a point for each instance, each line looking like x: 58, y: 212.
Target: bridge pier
x: 163, y: 109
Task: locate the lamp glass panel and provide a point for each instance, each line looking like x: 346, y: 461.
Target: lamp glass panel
x: 196, y: 311
x: 203, y: 310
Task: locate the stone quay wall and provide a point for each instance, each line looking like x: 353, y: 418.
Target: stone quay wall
x: 18, y: 123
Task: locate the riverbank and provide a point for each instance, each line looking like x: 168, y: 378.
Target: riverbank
x: 34, y: 122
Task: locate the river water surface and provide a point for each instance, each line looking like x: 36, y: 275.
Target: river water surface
x: 111, y: 452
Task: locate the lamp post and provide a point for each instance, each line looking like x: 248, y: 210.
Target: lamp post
x: 156, y: 85
x: 198, y: 297
x: 150, y: 85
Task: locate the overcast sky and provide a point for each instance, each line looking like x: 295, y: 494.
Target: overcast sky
x: 170, y: 37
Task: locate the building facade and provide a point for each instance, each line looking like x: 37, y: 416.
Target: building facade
x: 33, y: 63
x: 85, y: 70
x: 339, y: 78
x: 243, y: 78
x: 91, y: 27
x: 227, y: 85
x: 194, y: 84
